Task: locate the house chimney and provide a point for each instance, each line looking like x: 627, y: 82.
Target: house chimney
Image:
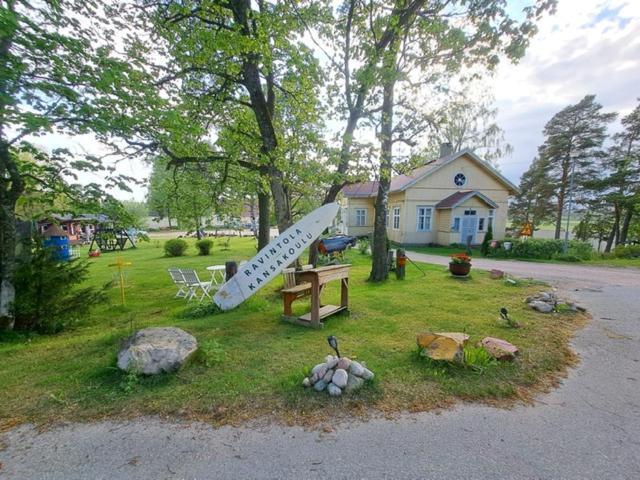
x: 445, y: 149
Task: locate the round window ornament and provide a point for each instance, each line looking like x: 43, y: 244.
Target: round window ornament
x: 460, y: 179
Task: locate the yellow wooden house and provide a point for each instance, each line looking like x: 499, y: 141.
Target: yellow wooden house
x: 444, y: 201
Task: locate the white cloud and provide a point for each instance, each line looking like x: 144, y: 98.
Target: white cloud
x: 588, y: 46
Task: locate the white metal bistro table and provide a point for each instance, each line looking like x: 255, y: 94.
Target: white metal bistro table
x: 217, y: 275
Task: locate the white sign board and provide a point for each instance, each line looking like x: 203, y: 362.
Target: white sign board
x: 272, y: 259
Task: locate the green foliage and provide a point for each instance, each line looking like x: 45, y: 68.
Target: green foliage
x: 363, y: 245
x: 543, y: 249
x: 478, y: 359
x: 204, y: 246
x: 202, y: 310
x: 130, y: 379
x: 627, y: 251
x: 484, y: 248
x: 210, y: 353
x: 48, y: 299
x: 175, y: 247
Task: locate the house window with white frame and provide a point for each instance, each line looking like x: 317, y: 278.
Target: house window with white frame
x: 455, y: 227
x: 490, y: 219
x: 423, y: 217
x: 396, y: 218
x: 481, y: 222
x: 361, y: 217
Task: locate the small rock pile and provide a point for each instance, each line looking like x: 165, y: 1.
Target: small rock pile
x: 547, y: 302
x: 337, y: 375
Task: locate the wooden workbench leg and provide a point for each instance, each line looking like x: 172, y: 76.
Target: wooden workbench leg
x: 315, y: 304
x: 288, y: 300
x: 344, y: 293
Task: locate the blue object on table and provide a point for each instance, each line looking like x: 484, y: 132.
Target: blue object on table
x: 335, y: 244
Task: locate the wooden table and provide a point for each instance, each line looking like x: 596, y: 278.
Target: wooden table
x: 318, y: 277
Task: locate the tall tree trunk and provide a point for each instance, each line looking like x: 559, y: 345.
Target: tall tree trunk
x: 263, y: 219
x: 379, y: 261
x: 614, y: 230
x: 281, y: 202
x: 624, y: 232
x: 11, y: 187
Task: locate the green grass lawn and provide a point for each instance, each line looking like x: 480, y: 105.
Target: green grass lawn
x: 251, y: 364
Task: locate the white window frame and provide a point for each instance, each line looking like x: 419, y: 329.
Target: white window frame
x: 424, y: 217
x: 481, y: 224
x: 396, y: 216
x: 364, y: 217
x: 490, y: 218
x: 455, y: 228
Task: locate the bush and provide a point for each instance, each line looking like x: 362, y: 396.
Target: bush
x: 175, y: 248
x: 627, y: 251
x: 363, y: 245
x: 484, y: 248
x: 204, y: 246
x: 47, y: 298
x: 543, y: 249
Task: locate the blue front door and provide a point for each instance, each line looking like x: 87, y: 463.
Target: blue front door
x: 469, y: 228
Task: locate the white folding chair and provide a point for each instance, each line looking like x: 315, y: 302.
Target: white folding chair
x: 194, y: 285
x: 178, y: 280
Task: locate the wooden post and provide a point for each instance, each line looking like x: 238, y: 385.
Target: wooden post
x: 344, y: 293
x: 230, y: 269
x: 315, y: 303
x: 401, y: 262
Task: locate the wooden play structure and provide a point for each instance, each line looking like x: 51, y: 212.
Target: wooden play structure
x: 311, y: 283
x: 109, y: 239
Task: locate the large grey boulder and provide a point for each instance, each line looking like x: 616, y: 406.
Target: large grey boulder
x: 154, y: 350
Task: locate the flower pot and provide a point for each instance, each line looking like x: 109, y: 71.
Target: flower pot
x: 460, y: 269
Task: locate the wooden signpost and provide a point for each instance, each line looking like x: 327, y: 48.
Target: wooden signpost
x: 120, y: 264
x: 272, y: 259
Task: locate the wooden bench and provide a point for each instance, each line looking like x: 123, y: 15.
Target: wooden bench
x: 291, y: 294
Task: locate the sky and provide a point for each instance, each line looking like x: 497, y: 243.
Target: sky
x: 587, y: 47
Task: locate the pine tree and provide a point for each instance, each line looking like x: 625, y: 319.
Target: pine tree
x: 533, y: 204
x: 574, y: 138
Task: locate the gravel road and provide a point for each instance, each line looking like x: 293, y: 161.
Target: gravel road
x: 587, y: 428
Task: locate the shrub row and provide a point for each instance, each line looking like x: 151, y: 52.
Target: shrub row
x: 627, y: 251
x: 177, y: 247
x: 544, y: 250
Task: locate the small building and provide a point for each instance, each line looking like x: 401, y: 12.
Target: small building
x: 79, y: 228
x: 444, y: 201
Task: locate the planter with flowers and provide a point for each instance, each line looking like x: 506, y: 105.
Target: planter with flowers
x: 460, y: 264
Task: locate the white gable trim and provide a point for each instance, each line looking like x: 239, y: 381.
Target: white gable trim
x: 453, y: 158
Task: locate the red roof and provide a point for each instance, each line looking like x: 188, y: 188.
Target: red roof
x: 364, y: 189
x: 454, y: 199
